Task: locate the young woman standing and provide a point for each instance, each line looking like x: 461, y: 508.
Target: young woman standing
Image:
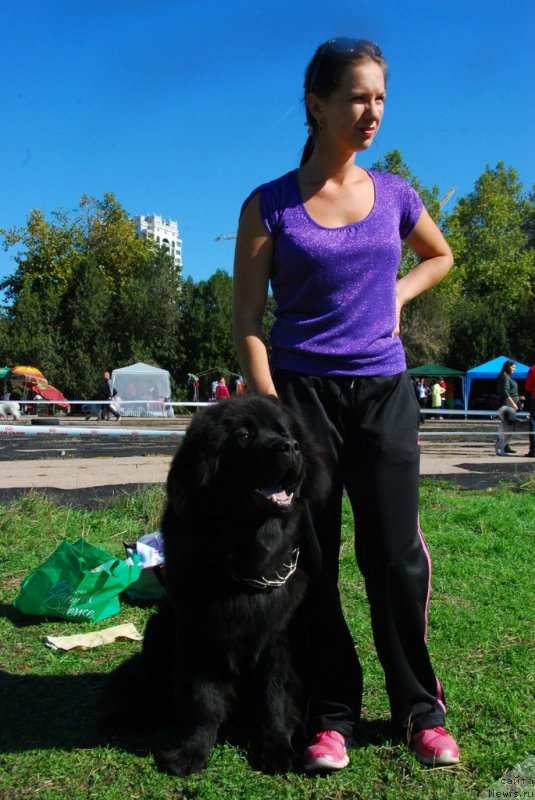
x: 508, y: 405
x: 328, y: 237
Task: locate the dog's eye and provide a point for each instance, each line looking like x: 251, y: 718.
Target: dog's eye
x: 242, y: 435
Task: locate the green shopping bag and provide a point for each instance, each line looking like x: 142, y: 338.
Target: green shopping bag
x: 77, y: 581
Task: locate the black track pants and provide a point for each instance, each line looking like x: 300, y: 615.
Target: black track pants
x: 368, y: 429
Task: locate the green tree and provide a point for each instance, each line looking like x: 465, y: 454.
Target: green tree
x: 50, y: 250
x: 147, y: 314
x: 477, y: 337
x: 85, y: 341
x: 206, y: 325
x: 4, y: 338
x: 33, y: 330
x: 491, y: 234
x: 45, y: 253
x: 88, y: 294
x: 109, y: 233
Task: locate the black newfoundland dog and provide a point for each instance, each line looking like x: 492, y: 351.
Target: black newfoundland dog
x: 236, y: 541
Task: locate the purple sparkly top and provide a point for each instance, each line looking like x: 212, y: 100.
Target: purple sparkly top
x: 334, y: 288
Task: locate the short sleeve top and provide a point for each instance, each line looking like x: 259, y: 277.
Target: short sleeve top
x: 334, y: 288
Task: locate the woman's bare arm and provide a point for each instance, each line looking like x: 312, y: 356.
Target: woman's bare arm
x: 428, y: 243
x: 252, y: 266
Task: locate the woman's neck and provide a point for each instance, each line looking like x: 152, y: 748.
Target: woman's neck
x: 323, y: 166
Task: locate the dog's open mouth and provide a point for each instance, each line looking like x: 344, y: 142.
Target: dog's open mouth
x: 277, y: 495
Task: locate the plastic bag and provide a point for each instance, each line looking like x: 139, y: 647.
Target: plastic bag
x: 115, y: 404
x: 150, y: 584
x: 77, y: 581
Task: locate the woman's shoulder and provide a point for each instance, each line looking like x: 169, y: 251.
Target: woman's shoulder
x: 276, y: 186
x: 398, y: 189
x: 389, y: 179
x: 395, y: 194
x: 275, y: 196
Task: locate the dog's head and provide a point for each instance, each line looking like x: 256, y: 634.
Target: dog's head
x: 245, y: 455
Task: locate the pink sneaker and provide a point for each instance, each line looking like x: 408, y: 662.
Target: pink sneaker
x: 434, y: 747
x: 327, y: 752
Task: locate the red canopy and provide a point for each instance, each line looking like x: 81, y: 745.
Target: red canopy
x: 34, y: 380
x: 49, y: 392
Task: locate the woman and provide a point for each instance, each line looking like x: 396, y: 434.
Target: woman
x: 423, y: 397
x: 328, y: 237
x: 438, y: 390
x: 508, y: 402
x: 222, y: 392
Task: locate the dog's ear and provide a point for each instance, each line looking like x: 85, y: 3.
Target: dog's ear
x: 196, y: 463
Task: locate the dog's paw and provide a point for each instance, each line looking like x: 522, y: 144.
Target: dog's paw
x: 181, y: 761
x: 274, y: 759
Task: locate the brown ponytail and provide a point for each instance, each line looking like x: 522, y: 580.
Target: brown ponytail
x: 307, y: 150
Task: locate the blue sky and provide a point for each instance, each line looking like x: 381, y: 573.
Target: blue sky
x: 182, y: 107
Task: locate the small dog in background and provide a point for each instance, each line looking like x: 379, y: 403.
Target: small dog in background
x: 9, y: 409
x: 92, y: 410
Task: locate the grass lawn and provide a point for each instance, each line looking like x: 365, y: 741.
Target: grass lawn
x: 480, y: 638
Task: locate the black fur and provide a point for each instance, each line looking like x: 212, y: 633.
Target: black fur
x: 219, y: 647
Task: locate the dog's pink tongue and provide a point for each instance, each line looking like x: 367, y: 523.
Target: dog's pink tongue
x: 276, y: 494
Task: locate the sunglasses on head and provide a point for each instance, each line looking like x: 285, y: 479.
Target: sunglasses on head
x: 343, y: 45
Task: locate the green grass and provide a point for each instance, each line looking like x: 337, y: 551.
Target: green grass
x: 480, y: 638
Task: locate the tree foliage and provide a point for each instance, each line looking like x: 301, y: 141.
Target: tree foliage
x: 88, y: 295
x: 206, y: 325
x: 493, y: 284
x: 84, y: 315
x: 32, y: 329
x: 488, y: 233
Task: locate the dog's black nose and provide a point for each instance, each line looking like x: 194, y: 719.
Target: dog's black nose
x: 288, y: 446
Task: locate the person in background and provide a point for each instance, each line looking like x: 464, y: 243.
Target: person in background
x: 192, y: 388
x: 530, y: 390
x: 328, y: 237
x: 423, y: 397
x: 437, y: 394
x: 222, y: 392
x: 213, y: 387
x: 443, y: 385
x: 508, y: 405
x: 106, y: 393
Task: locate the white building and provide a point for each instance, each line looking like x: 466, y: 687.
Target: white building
x: 164, y: 232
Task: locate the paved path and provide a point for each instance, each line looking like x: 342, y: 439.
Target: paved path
x: 61, y: 473
x: 73, y: 464
x: 79, y: 473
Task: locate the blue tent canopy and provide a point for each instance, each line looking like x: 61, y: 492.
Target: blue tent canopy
x: 491, y: 369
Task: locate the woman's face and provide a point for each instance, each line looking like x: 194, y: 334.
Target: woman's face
x: 350, y: 116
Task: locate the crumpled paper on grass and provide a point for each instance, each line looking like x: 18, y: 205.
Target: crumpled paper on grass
x: 86, y: 641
